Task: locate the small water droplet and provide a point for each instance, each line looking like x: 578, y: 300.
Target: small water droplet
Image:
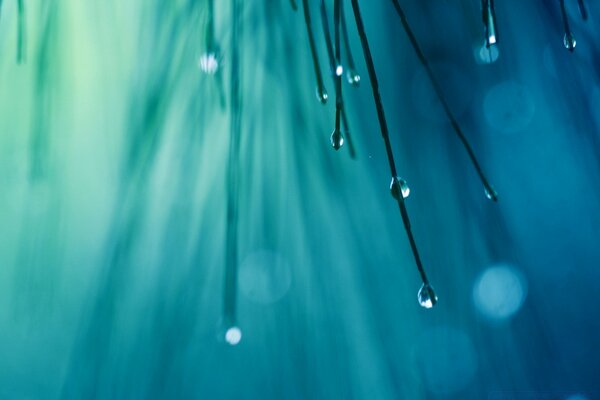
x: 491, y: 194
x: 399, y: 185
x: 233, y: 335
x: 427, y: 297
x: 337, y: 139
x: 209, y: 62
x: 339, y: 70
x: 353, y: 77
x: 569, y: 41
x: 322, y: 95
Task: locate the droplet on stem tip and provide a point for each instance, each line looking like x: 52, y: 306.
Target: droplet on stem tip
x: 397, y: 186
x: 337, y: 139
x: 427, y: 297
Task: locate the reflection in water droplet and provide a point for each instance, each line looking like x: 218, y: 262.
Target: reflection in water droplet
x: 233, y: 335
x: 209, y: 63
x: 491, y: 194
x: 337, y: 139
x: 427, y: 296
x: 353, y: 77
x: 322, y: 95
x: 486, y: 54
x: 397, y: 186
x: 569, y: 41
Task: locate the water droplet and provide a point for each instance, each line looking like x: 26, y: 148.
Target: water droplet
x: 427, y: 296
x: 339, y: 70
x: 337, y: 139
x: 228, y: 332
x: 569, y: 41
x: 233, y: 335
x: 353, y: 77
x: 491, y: 194
x: 322, y: 95
x: 399, y: 185
x: 209, y: 62
x: 485, y: 54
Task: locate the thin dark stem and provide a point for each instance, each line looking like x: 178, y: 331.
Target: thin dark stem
x: 347, y: 134
x: 582, y: 10
x: 230, y: 292
x: 384, y: 132
x: 438, y: 91
x: 210, y: 26
x: 565, y: 19
x: 294, y: 5
x: 334, y: 61
x: 313, y: 50
x: 346, y: 42
x: 489, y: 22
x: 21, y: 32
x: 328, y: 41
x: 337, y: 76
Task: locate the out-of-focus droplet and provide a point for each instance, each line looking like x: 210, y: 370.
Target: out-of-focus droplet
x: 339, y: 70
x: 353, y: 77
x: 427, y: 297
x: 209, y: 63
x: 337, y: 139
x: 509, y: 107
x: 500, y: 292
x: 491, y: 193
x: 233, y: 335
x: 322, y: 95
x: 397, y: 186
x: 264, y: 277
x: 569, y: 41
x: 485, y: 54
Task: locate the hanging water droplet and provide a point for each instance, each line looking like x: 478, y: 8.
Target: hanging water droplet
x: 569, y: 41
x: 337, y: 139
x: 339, y: 70
x: 322, y: 95
x: 209, y: 62
x: 491, y: 194
x: 427, y: 297
x: 228, y: 332
x: 233, y: 335
x: 353, y: 77
x: 399, y: 185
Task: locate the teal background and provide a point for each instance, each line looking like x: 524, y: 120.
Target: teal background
x: 113, y: 164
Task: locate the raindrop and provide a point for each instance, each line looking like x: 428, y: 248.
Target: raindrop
x: 569, y: 41
x: 233, y: 335
x: 322, y: 95
x: 491, y: 193
x: 337, y: 139
x: 399, y: 185
x: 427, y: 296
x: 353, y: 77
x: 209, y: 63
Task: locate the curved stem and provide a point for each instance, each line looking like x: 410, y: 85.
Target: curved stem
x: 438, y: 91
x: 313, y: 51
x: 230, y: 290
x: 21, y: 32
x: 384, y: 132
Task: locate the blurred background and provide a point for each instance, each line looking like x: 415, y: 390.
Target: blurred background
x: 114, y: 149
